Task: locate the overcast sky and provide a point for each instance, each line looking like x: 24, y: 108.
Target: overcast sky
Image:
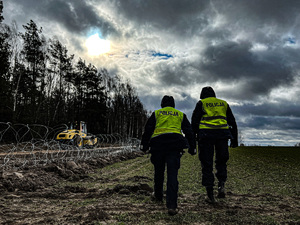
x: 247, y: 50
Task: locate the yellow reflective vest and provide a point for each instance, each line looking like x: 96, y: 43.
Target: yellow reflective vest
x: 215, y: 114
x: 168, y: 120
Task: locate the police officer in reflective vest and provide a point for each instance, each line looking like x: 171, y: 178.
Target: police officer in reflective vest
x: 163, y: 137
x: 214, y: 123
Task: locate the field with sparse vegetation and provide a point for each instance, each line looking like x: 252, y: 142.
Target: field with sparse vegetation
x: 263, y: 188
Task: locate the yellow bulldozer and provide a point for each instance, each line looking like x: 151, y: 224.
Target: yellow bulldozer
x: 77, y: 136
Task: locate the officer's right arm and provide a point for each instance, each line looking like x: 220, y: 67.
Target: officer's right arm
x: 149, y: 129
x: 232, y: 127
x: 189, y: 135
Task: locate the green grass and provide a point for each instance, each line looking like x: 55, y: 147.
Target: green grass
x: 258, y: 170
x: 263, y: 187
x: 261, y: 170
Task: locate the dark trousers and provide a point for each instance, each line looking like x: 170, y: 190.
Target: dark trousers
x: 206, y: 148
x: 172, y: 159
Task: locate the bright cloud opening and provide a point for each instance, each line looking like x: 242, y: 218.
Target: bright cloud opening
x: 96, y: 45
x: 257, y: 47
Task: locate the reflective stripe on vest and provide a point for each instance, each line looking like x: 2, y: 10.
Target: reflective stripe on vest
x: 215, y: 117
x: 168, y: 120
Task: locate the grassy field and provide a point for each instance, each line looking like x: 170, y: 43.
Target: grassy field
x: 263, y: 187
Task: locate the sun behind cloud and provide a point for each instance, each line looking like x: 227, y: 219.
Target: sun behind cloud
x: 96, y: 45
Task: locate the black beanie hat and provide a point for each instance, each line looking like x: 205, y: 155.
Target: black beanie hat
x: 207, y: 92
x: 167, y: 101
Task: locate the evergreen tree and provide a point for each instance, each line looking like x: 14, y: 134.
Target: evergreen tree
x: 34, y: 54
x: 94, y: 99
x: 126, y: 115
x: 5, y: 52
x: 90, y: 97
x: 59, y: 79
x: 1, y: 11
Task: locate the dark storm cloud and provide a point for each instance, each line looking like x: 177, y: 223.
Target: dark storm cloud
x: 192, y: 17
x: 232, y: 61
x: 185, y: 17
x: 173, y: 75
x: 227, y: 61
x: 76, y: 16
x: 284, y: 109
x: 257, y: 13
x: 268, y: 116
x: 271, y: 123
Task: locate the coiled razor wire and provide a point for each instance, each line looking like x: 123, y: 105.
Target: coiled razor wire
x: 35, y: 144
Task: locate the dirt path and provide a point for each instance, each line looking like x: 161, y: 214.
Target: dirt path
x: 70, y: 205
x: 45, y: 196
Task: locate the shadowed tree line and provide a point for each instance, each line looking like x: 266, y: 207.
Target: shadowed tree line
x: 41, y: 83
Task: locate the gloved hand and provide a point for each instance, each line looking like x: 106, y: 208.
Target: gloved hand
x: 234, y: 143
x: 192, y: 151
x: 144, y: 148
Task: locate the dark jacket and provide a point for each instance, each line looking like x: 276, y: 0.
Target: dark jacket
x: 198, y: 112
x: 168, y: 141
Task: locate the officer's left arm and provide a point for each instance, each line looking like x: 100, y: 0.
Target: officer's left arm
x: 232, y: 127
x: 196, y: 116
x: 149, y: 129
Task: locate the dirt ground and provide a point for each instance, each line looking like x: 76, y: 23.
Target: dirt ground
x: 34, y: 196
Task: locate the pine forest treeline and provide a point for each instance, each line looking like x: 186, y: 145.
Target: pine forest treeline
x: 41, y: 83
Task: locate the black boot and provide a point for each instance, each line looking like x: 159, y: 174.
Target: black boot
x: 210, y: 195
x: 172, y: 212
x: 156, y: 198
x: 221, y: 190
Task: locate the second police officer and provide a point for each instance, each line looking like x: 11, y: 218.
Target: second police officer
x: 214, y: 123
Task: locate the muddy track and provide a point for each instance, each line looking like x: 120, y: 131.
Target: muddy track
x: 60, y: 194
x: 65, y: 206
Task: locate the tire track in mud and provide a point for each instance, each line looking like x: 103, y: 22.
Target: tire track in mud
x: 132, y: 168
x: 111, y: 177
x: 110, y: 207
x: 242, y: 205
